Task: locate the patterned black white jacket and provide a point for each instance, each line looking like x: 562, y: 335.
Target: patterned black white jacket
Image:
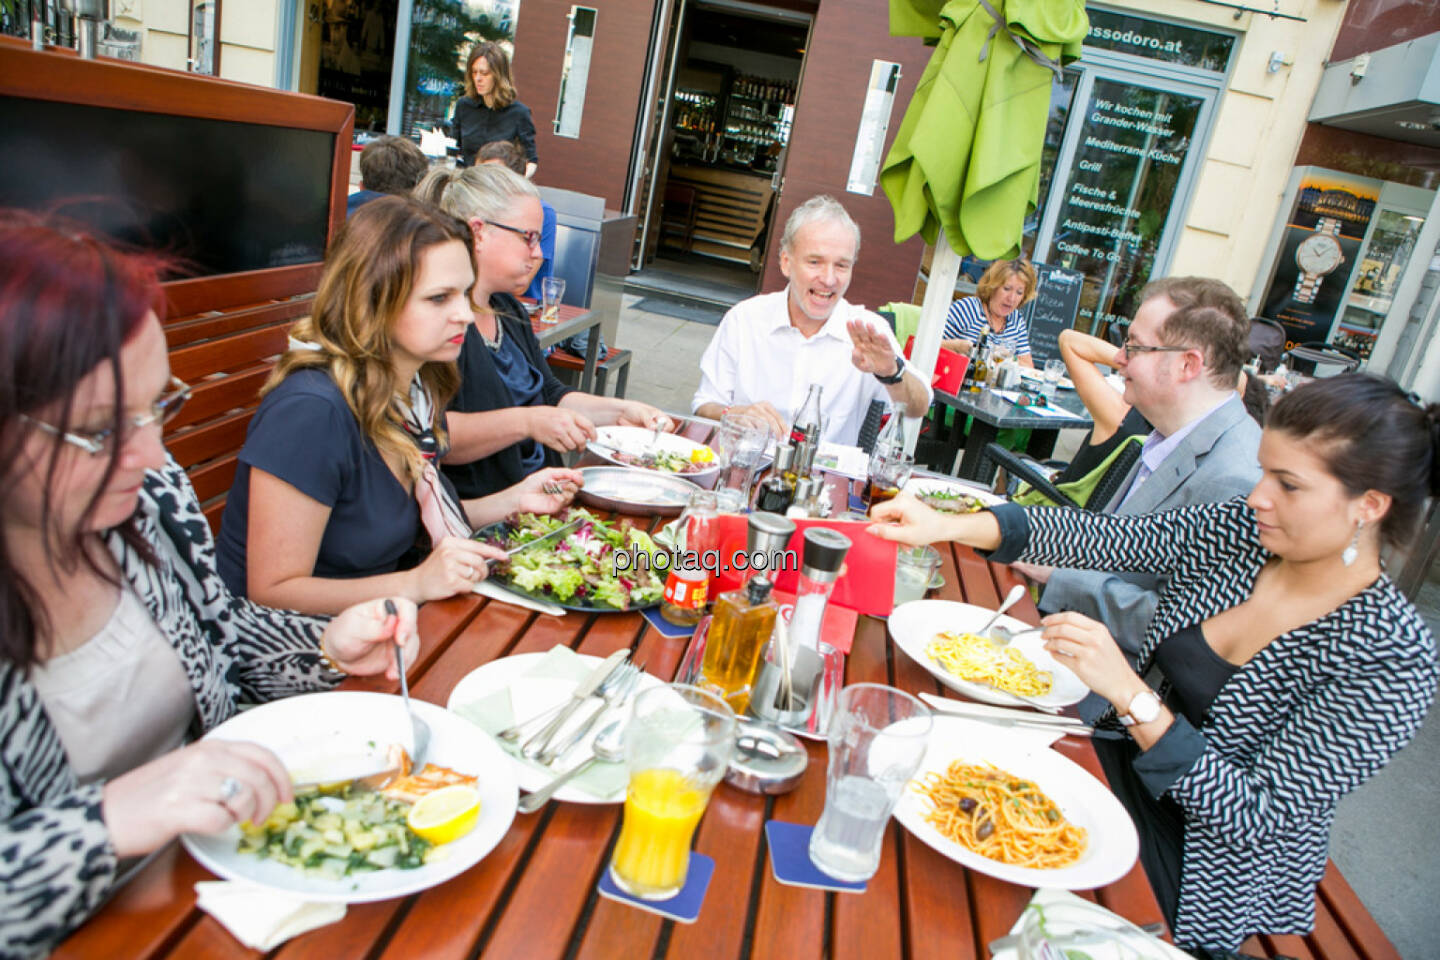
x: 56, y: 861
x: 1309, y: 718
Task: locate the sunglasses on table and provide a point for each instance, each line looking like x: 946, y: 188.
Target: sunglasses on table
x: 531, y: 237
x: 161, y: 412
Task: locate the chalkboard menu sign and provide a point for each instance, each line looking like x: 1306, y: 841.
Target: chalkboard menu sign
x: 1057, y: 298
x: 223, y: 196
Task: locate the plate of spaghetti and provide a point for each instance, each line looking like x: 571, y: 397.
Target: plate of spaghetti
x: 1027, y: 816
x: 938, y: 635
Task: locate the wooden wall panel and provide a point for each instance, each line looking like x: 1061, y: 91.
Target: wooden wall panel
x: 597, y: 161
x: 848, y: 35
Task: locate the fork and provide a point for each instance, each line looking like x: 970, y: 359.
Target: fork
x: 618, y: 695
x: 419, y: 729
x: 511, y: 734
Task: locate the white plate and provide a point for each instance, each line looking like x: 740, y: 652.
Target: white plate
x: 915, y: 486
x: 348, y: 721
x: 915, y: 624
x: 1112, y: 844
x: 639, y: 441
x: 538, y: 695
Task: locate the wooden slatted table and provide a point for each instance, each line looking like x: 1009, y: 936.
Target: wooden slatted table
x: 534, y: 895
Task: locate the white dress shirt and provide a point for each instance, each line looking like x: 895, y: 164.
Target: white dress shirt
x: 757, y: 354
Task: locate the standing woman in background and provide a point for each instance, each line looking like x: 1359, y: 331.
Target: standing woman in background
x: 489, y: 110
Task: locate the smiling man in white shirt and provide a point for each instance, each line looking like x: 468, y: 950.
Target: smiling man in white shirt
x: 770, y: 348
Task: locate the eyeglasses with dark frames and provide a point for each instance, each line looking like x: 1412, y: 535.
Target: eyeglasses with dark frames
x: 531, y: 237
x: 162, y: 412
x: 1132, y: 348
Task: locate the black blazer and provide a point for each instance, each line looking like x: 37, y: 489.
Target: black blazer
x: 481, y: 388
x: 476, y: 125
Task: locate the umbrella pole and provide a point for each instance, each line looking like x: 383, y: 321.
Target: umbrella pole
x: 939, y: 291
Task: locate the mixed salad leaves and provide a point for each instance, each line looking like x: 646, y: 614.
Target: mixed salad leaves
x: 580, y: 569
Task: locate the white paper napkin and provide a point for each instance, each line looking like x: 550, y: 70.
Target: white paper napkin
x: 259, y: 918
x: 1066, y: 913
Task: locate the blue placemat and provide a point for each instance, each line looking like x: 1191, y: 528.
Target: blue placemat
x: 790, y: 861
x: 666, y: 628
x: 684, y: 906
x: 857, y: 503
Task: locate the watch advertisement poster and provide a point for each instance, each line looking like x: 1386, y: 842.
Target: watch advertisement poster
x: 1317, y: 253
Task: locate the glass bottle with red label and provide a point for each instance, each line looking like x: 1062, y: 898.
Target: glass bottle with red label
x: 688, y: 582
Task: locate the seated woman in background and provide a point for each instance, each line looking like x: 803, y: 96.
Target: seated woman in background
x: 118, y: 642
x: 1115, y: 420
x: 1293, y: 669
x: 335, y: 482
x: 1004, y: 287
x: 510, y: 407
x: 504, y: 153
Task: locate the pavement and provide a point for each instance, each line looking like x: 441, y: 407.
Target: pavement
x: 1381, y: 840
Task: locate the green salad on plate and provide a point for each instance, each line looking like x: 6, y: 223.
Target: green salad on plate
x: 580, y: 570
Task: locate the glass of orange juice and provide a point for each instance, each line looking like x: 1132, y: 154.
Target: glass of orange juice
x: 677, y: 747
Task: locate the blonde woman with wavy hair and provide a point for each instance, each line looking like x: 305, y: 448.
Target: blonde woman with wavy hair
x: 336, y: 496
x: 511, y: 415
x: 490, y: 109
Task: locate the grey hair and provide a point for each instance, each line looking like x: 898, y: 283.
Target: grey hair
x: 814, y: 210
x: 483, y: 192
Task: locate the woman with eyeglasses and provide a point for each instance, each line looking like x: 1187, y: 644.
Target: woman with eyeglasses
x: 1289, y: 667
x: 511, y: 416
x: 336, y: 495
x: 119, y: 644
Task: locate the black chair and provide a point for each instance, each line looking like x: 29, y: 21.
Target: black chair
x: 870, y: 426
x: 1267, y: 341
x: 1023, y: 468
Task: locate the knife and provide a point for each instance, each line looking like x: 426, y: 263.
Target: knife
x: 1062, y: 725
x: 374, y: 779
x: 536, y: 744
x: 965, y: 707
x: 493, y: 590
x: 555, y: 534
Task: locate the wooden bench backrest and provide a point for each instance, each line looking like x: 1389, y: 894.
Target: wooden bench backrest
x: 226, y: 358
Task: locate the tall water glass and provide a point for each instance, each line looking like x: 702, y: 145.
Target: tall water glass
x: 1054, y: 371
x: 878, y: 737
x: 740, y: 443
x: 677, y: 747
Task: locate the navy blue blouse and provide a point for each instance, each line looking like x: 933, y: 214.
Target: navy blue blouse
x: 305, y: 434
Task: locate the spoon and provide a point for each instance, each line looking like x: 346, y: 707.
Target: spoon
x: 608, y: 746
x: 419, y: 730
x: 1011, y: 598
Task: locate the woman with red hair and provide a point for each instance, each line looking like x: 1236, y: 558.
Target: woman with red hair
x: 119, y: 643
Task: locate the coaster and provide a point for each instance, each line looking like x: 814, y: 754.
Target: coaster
x: 790, y: 861
x: 666, y: 628
x: 857, y: 503
x: 683, y: 907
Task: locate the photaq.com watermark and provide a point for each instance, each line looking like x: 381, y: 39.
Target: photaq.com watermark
x: 635, y: 558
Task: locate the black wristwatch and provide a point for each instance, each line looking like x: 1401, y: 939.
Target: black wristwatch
x: 895, y: 377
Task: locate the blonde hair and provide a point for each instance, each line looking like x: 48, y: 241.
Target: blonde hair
x: 999, y: 273
x: 484, y: 191
x: 503, y: 92
x: 367, y: 279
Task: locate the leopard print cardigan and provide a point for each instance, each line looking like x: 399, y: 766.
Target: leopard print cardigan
x: 57, y: 864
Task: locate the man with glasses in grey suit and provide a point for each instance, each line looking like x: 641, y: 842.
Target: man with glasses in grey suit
x: 1181, y: 362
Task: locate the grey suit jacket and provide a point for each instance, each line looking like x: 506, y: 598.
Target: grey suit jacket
x: 1216, y: 461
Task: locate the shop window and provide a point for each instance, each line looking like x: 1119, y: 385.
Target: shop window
x: 575, y: 72
x: 441, y: 34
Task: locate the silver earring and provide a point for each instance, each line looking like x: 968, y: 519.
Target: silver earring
x: 1348, y: 555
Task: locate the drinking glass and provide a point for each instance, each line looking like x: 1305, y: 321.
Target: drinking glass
x: 878, y: 737
x: 914, y: 569
x: 552, y: 291
x: 1054, y: 371
x: 740, y: 443
x: 677, y: 747
x: 889, y: 470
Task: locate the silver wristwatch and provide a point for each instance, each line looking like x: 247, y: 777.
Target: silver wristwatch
x: 1143, y: 707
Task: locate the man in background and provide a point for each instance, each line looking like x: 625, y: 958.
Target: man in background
x: 387, y: 165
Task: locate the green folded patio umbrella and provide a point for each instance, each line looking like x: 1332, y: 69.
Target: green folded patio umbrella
x: 967, y: 155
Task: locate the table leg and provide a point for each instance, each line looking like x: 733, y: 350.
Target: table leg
x: 592, y: 351
x: 974, y: 465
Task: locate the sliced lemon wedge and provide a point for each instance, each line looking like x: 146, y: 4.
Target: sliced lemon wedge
x: 702, y: 455
x: 445, y: 815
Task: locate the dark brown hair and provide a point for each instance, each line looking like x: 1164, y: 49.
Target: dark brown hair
x: 391, y: 165
x: 69, y: 302
x: 1371, y: 436
x: 503, y: 92
x: 504, y: 151
x: 1210, y: 316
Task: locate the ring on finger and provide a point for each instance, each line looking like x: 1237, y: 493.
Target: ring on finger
x: 229, y: 789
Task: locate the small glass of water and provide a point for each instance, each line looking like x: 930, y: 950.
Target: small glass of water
x: 1054, y: 370
x: 878, y: 737
x: 914, y: 569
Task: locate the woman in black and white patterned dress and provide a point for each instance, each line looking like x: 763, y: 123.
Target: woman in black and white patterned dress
x: 119, y: 643
x: 1289, y: 667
